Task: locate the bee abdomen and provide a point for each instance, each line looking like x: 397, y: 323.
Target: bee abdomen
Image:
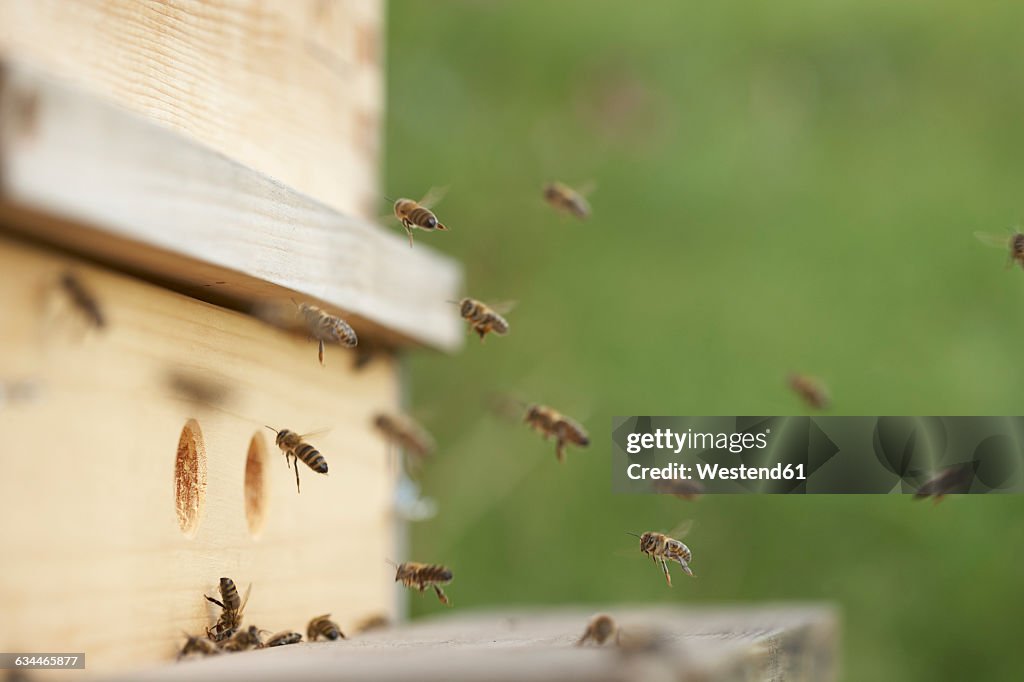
x: 312, y: 458
x: 422, y: 218
x: 435, y: 574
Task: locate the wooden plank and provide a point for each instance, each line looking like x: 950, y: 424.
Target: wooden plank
x: 90, y: 176
x: 292, y: 88
x: 770, y: 643
x: 94, y: 556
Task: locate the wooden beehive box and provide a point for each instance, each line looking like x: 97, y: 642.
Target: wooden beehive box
x: 190, y: 161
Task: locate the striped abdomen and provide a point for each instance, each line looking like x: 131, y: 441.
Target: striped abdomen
x: 312, y: 457
x: 413, y: 215
x: 421, y: 575
x: 323, y: 626
x: 229, y: 595
x: 328, y: 328
x: 1017, y: 248
x: 282, y: 638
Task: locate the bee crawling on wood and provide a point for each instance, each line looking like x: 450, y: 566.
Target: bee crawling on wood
x: 242, y: 640
x: 422, y: 576
x: 417, y: 214
x: 83, y: 299
x: 232, y: 607
x: 811, y: 390
x: 684, y: 490
x: 483, y: 318
x: 295, y: 448
x: 1014, y: 243
x: 284, y: 638
x: 550, y: 422
x: 951, y: 480
x: 195, y: 644
x: 323, y: 626
x: 564, y: 198
x: 662, y: 549
x: 600, y: 629
x: 327, y: 328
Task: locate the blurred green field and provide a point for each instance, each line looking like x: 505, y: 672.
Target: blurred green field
x: 780, y: 186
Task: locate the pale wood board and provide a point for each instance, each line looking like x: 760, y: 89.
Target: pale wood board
x: 92, y: 177
x: 776, y: 643
x: 292, y: 88
x: 93, y: 558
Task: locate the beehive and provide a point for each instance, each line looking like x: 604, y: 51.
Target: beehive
x: 188, y: 162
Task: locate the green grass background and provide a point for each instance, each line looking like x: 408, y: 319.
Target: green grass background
x: 786, y: 185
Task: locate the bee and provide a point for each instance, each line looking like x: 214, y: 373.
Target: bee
x: 294, y: 447
x: 417, y: 214
x: 83, y: 299
x: 600, y: 629
x: 327, y: 328
x: 564, y: 198
x: 662, y: 549
x: 1014, y: 243
x: 232, y: 606
x: 403, y: 432
x: 483, y: 318
x: 198, y: 645
x: 196, y: 388
x: 811, y: 390
x: 684, y: 490
x: 422, y: 576
x: 639, y: 640
x: 249, y: 638
x: 375, y: 622
x: 283, y: 638
x: 954, y: 479
x: 550, y: 422
x: 323, y: 626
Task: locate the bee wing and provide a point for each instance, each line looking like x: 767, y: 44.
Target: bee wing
x: 999, y: 241
x: 433, y: 197
x: 245, y: 599
x: 587, y: 188
x: 318, y: 432
x: 505, y: 406
x: 503, y: 307
x: 682, y: 529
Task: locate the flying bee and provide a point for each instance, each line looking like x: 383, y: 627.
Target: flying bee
x: 83, y: 299
x: 550, y: 422
x: 294, y: 447
x: 600, y: 629
x: 417, y: 214
x: 198, y: 645
x: 375, y: 622
x: 1014, y: 243
x: 404, y: 432
x: 564, y: 198
x: 951, y: 480
x: 323, y: 626
x: 283, y: 638
x: 483, y: 318
x: 327, y: 328
x: 232, y: 607
x: 811, y: 390
x: 197, y: 388
x: 662, y: 549
x: 684, y: 490
x: 242, y: 640
x: 422, y: 576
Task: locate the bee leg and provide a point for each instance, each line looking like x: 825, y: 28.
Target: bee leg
x: 218, y: 603
x: 320, y: 352
x: 664, y: 568
x: 686, y: 568
x: 441, y: 595
x: 297, y: 489
x: 560, y: 450
x: 408, y: 230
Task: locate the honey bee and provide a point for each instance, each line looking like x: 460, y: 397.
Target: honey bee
x: 283, y: 638
x: 600, y: 629
x: 198, y: 645
x: 550, y: 422
x: 375, y: 622
x: 196, y: 388
x: 294, y: 447
x: 954, y: 479
x: 483, y: 318
x: 242, y: 640
x: 327, y: 328
x: 232, y: 606
x: 565, y: 198
x: 662, y: 549
x: 323, y: 626
x: 811, y: 390
x: 403, y: 432
x: 684, y: 490
x: 417, y: 214
x: 83, y: 299
x: 1014, y: 243
x: 422, y: 576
